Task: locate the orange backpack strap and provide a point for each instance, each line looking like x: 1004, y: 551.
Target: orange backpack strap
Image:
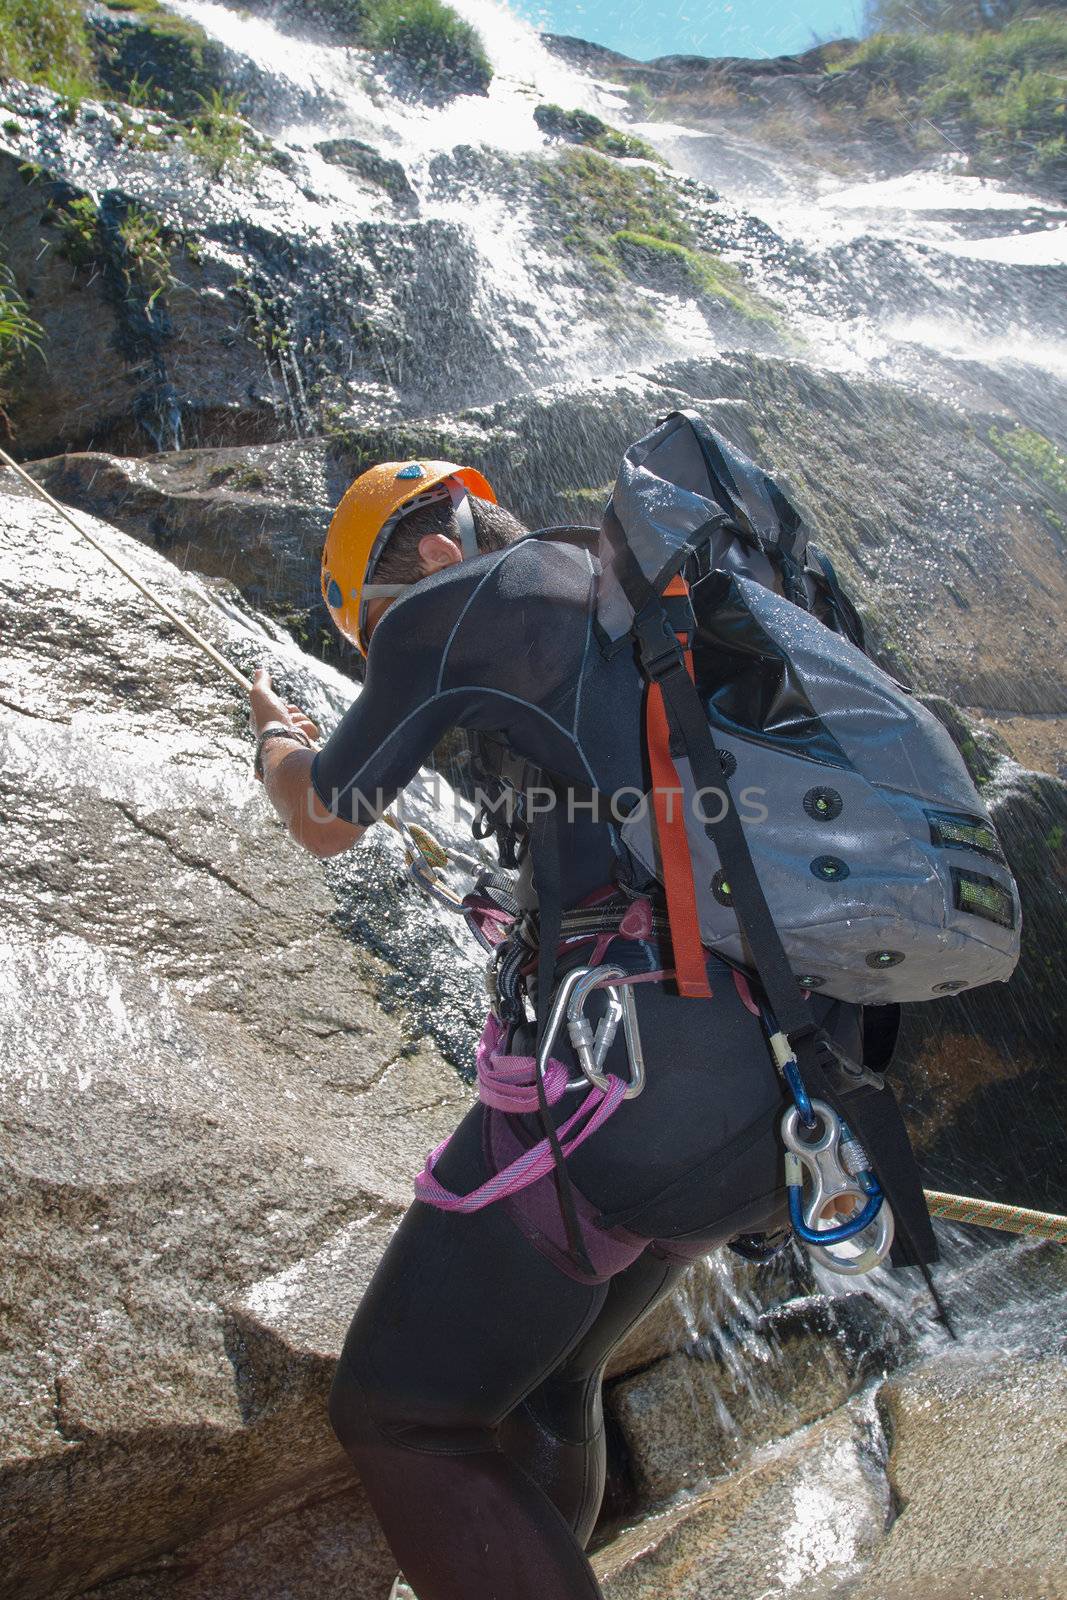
x: 690, y: 963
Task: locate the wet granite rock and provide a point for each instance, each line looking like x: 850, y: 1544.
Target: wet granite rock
x: 803, y: 1517
x: 256, y: 517
x: 355, y: 155
x: 978, y: 1469
x: 972, y: 1066
x: 698, y: 1414
x: 302, y: 1547
x: 209, y: 1126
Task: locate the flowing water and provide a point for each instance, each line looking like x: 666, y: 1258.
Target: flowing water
x: 933, y: 279
x: 919, y: 278
x: 912, y: 277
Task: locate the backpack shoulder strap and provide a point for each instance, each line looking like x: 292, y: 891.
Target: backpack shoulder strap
x: 684, y: 722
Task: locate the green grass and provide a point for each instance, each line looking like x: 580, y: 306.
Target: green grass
x: 144, y: 254
x: 625, y: 222
x: 1003, y: 93
x: 139, y: 246
x: 20, y: 334
x: 596, y: 199
x: 440, y: 47
x: 164, y: 62
x: 1033, y: 456
x: 79, y: 231
x: 46, y: 42
x: 218, y: 135
x: 582, y: 127
x: 680, y: 268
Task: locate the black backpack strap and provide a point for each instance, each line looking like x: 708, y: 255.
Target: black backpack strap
x: 847, y: 615
x: 663, y: 662
x: 548, y: 882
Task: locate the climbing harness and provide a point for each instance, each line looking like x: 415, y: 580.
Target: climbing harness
x: 515, y: 1084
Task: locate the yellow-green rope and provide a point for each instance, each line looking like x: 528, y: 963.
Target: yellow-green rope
x: 989, y: 1214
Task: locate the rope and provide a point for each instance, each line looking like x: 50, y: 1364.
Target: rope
x: 990, y: 1214
x: 953, y: 1207
x: 415, y: 837
x: 131, y: 577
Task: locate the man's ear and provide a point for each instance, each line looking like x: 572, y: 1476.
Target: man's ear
x: 436, y: 551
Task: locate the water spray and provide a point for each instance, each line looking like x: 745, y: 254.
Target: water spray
x: 131, y: 577
x: 424, y: 852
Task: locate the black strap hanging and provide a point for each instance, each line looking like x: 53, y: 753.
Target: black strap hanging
x: 549, y: 886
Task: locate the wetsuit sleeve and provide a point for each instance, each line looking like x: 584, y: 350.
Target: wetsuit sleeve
x: 390, y: 730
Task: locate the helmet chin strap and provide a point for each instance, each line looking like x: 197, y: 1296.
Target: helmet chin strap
x: 461, y: 507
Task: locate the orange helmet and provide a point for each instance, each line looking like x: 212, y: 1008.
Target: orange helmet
x: 364, y: 521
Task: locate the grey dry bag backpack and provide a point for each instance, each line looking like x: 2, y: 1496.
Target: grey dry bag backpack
x: 808, y: 816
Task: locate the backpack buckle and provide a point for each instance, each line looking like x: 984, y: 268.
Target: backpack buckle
x: 660, y: 651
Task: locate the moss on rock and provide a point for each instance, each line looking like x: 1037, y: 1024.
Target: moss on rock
x: 1032, y: 456
x: 582, y: 127
x: 627, y: 221
x: 680, y: 269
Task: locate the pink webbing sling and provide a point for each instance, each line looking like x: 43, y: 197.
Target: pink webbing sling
x: 509, y: 1083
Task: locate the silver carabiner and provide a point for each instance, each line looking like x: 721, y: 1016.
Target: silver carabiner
x: 592, y: 1049
x: 830, y: 1181
x: 560, y: 1002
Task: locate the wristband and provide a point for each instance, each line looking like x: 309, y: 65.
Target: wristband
x: 276, y: 730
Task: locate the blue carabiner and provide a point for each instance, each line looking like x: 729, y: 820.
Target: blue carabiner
x: 791, y: 1074
x: 837, y: 1234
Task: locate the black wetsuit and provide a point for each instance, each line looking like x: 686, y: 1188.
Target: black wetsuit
x: 468, y: 1391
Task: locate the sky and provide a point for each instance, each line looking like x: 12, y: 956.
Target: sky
x: 650, y: 28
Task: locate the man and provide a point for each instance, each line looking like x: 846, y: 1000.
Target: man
x: 468, y: 1391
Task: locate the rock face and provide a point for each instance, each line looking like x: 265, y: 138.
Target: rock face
x: 256, y: 516
x: 970, y: 1501
x: 253, y: 258
x: 978, y: 1467
x: 955, y: 558
x: 209, y: 1126
x: 295, y: 287
x: 695, y: 1416
x: 750, y: 1536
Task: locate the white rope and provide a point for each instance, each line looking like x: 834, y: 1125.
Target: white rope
x: 161, y: 605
